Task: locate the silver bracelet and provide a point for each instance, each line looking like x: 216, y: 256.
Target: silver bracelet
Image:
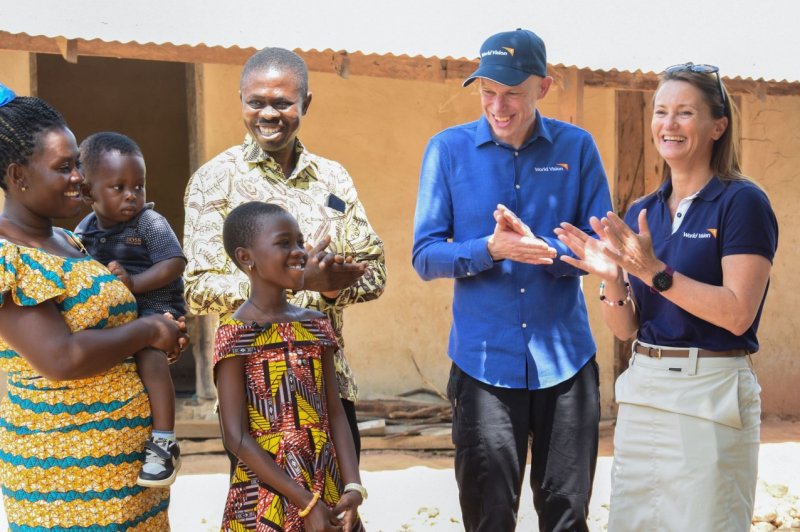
x: 354, y: 486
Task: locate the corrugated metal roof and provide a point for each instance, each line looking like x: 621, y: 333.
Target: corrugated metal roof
x: 747, y: 39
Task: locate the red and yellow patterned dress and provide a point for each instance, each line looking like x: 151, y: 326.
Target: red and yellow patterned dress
x: 288, y: 418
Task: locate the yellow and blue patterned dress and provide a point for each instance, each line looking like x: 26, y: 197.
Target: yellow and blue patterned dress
x: 70, y: 451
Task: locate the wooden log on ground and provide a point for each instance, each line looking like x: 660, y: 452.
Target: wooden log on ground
x: 197, y: 429
x: 433, y: 439
x: 383, y: 407
x: 211, y: 446
x: 373, y: 427
x: 423, y: 412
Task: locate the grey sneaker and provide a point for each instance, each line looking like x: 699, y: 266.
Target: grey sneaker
x: 162, y: 461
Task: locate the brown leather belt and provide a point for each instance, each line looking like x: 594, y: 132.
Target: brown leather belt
x: 658, y: 352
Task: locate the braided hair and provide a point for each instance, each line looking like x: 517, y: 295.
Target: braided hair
x: 22, y: 121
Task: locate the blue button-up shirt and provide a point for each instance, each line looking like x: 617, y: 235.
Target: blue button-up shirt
x: 514, y: 325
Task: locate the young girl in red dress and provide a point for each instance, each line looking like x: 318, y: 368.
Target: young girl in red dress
x: 295, y: 466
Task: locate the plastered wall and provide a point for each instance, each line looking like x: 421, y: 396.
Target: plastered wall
x: 145, y: 100
x: 18, y: 73
x: 771, y: 155
x: 599, y: 116
x: 378, y: 129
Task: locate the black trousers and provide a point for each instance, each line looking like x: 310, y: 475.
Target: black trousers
x: 491, y: 430
x: 350, y: 411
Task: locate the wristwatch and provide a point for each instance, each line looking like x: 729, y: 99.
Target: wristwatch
x: 356, y: 487
x: 662, y: 280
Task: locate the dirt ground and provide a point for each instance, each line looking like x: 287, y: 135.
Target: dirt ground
x: 416, y: 491
x: 773, y: 430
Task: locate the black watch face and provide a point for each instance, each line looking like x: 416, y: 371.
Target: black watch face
x: 662, y: 281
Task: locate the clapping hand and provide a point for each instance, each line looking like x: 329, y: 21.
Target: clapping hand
x: 513, y: 239
x: 590, y: 252
x: 617, y: 247
x: 633, y: 252
x: 328, y: 272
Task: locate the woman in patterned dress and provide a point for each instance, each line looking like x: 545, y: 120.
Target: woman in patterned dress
x: 279, y: 407
x: 75, y: 418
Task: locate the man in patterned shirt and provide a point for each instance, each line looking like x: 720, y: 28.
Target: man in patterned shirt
x: 273, y: 166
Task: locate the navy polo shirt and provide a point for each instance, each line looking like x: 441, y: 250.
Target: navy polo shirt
x: 514, y: 325
x: 138, y: 244
x: 726, y: 218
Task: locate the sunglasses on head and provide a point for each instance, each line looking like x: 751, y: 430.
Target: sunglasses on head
x: 702, y: 69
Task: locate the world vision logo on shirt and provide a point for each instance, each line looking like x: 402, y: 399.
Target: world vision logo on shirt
x: 711, y: 233
x: 557, y: 167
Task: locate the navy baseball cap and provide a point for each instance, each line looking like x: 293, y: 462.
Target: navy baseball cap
x: 511, y: 57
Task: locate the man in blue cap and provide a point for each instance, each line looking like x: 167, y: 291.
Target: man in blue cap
x: 523, y: 355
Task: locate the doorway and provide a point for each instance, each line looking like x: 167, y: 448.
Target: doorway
x: 145, y: 100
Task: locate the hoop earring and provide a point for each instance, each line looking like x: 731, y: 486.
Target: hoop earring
x: 250, y: 267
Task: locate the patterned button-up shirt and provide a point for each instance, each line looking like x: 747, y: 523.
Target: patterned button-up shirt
x: 320, y: 195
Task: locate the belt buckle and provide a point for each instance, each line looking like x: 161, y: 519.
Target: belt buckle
x: 650, y: 352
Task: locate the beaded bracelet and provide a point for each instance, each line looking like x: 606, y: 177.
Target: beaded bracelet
x: 619, y: 303
x: 307, y: 510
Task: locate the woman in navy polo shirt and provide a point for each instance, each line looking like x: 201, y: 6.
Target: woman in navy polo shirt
x: 687, y: 273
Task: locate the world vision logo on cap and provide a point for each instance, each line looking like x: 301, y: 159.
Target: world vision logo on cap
x: 565, y: 166
x: 712, y: 231
x: 504, y: 51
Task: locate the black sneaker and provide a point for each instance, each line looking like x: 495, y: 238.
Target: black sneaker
x: 162, y: 461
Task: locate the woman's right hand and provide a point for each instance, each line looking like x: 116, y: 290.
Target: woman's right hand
x: 167, y: 334
x: 590, y: 251
x: 322, y: 519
